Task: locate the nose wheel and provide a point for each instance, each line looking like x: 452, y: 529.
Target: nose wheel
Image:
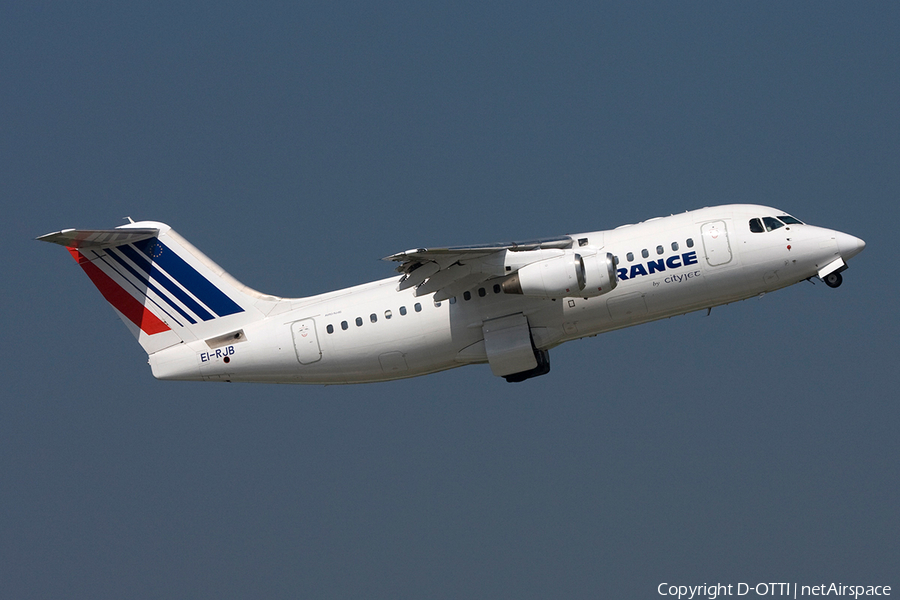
x: 833, y: 280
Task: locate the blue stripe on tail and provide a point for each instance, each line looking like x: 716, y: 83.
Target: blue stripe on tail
x: 188, y: 277
x: 146, y: 281
x: 164, y: 281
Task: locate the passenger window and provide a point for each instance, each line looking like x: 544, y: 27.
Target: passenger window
x: 437, y: 304
x: 453, y: 300
x: 359, y: 321
x: 659, y: 250
x: 616, y: 259
x: 402, y: 310
x: 481, y: 292
x: 388, y: 314
x: 756, y: 226
x: 674, y: 246
x: 418, y: 307
x: 644, y: 253
x: 373, y: 317
x: 344, y: 325
x: 772, y: 223
x: 629, y: 257
x: 496, y: 288
x: 467, y: 296
x: 690, y: 243
x: 330, y: 329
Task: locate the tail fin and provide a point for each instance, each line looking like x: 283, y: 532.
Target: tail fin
x: 163, y: 288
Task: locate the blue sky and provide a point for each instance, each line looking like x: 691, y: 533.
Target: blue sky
x: 298, y: 144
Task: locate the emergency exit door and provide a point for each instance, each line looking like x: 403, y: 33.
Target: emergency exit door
x: 716, y: 243
x: 306, y: 343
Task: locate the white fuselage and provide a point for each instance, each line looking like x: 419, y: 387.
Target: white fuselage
x: 373, y: 332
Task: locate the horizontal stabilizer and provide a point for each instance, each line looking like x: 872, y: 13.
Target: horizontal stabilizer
x: 98, y: 238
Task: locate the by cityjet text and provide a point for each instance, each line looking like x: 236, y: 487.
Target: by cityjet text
x: 713, y: 591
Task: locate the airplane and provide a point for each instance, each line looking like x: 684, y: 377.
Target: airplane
x: 504, y: 304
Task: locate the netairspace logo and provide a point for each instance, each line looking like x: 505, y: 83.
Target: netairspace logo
x: 770, y: 589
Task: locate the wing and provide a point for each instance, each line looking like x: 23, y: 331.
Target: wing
x: 450, y: 271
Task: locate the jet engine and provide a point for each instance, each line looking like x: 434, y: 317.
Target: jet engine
x: 569, y: 275
x: 599, y: 274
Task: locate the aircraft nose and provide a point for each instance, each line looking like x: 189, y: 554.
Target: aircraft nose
x: 849, y: 245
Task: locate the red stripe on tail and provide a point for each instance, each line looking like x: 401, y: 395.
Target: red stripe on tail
x: 124, y: 302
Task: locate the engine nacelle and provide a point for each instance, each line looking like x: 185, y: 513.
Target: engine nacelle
x: 550, y: 278
x: 599, y: 274
x: 569, y: 275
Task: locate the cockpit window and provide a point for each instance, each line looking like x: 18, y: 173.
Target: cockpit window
x: 790, y: 220
x: 756, y: 226
x: 772, y: 223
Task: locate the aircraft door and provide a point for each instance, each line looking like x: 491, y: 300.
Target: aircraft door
x: 306, y: 342
x: 628, y: 306
x: 716, y: 243
x: 393, y: 362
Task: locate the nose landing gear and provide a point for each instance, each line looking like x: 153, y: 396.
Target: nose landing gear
x: 833, y: 280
